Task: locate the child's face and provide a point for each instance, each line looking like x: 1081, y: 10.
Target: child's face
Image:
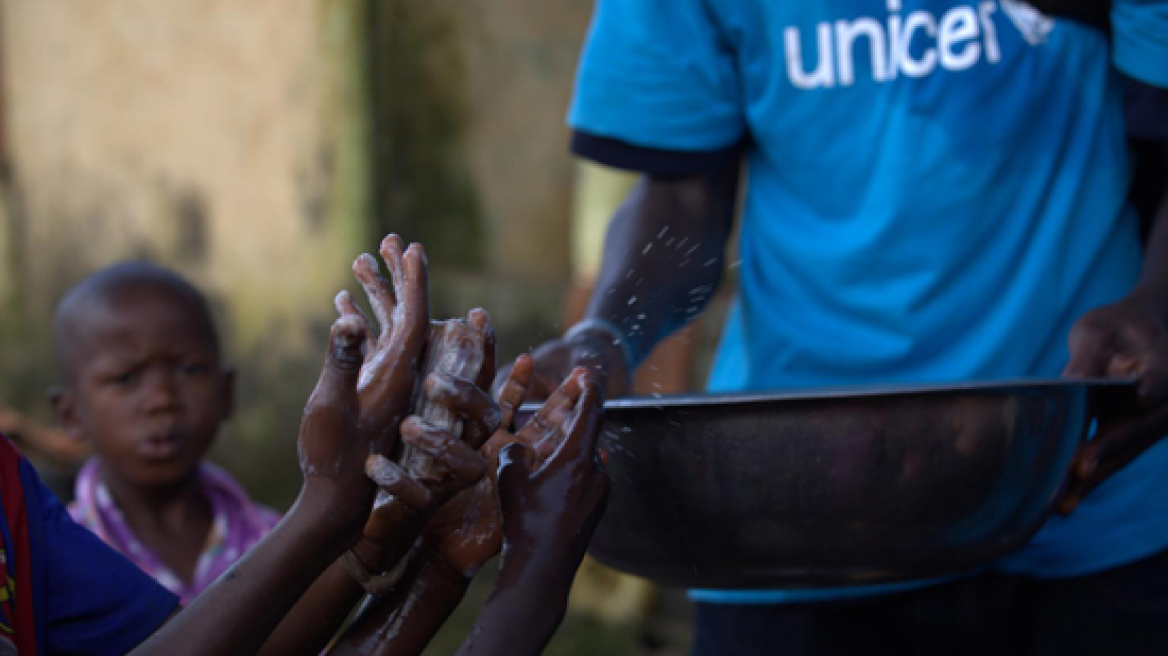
x: 147, y: 387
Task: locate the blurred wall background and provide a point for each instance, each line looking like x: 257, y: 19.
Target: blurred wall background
x: 258, y: 148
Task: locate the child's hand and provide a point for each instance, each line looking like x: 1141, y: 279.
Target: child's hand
x: 391, y: 358
x: 435, y: 456
x: 360, y: 398
x: 396, y: 522
x: 551, y: 506
x: 467, y: 530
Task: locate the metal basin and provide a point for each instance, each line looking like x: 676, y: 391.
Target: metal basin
x: 839, y: 487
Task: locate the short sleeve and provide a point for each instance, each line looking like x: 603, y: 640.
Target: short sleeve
x: 96, y: 602
x: 1140, y: 39
x: 659, y: 75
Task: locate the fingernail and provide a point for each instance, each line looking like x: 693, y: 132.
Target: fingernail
x: 1087, y: 467
x: 366, y: 259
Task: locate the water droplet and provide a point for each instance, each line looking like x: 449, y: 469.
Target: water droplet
x: 735, y: 264
x: 711, y: 262
x: 648, y: 247
x: 663, y: 231
x: 632, y: 299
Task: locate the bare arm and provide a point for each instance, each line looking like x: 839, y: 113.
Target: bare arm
x: 663, y: 257
x: 1127, y: 339
x: 550, y: 510
x: 403, y: 622
x: 343, y: 423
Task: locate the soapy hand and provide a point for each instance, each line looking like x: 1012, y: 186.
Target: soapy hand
x: 552, y: 503
x: 442, y: 445
x: 360, y: 397
x: 467, y: 530
x: 1127, y: 339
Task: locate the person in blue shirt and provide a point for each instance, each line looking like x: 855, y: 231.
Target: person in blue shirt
x: 935, y: 190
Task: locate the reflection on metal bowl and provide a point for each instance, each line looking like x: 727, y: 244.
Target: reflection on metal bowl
x: 839, y: 487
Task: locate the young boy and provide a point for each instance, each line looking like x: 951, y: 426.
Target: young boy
x: 64, y: 591
x: 142, y: 381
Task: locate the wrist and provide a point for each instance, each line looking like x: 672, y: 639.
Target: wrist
x: 439, y: 569
x: 315, y: 513
x: 602, y: 342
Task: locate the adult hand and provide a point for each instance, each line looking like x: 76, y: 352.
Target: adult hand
x: 594, y: 350
x: 1128, y: 339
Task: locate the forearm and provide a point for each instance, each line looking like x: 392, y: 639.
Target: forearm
x: 323, y: 609
x: 522, y: 614
x: 317, y: 616
x: 403, y: 622
x: 238, y: 612
x: 663, y: 257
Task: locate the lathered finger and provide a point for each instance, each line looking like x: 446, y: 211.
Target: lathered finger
x: 381, y: 296
x: 448, y: 452
x: 393, y: 252
x: 514, y: 389
x: 554, y: 416
x: 411, y: 283
x: 584, y: 433
x: 480, y: 320
x: 347, y: 307
x: 558, y: 406
x: 394, y: 480
x: 474, y: 406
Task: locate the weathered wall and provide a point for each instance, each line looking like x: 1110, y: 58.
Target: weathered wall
x: 470, y: 149
x: 189, y: 130
x: 226, y: 141
x: 521, y: 58
x: 258, y: 147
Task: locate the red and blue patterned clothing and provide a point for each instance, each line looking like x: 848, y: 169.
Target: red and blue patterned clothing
x: 62, y: 590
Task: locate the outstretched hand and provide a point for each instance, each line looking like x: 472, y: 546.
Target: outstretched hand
x: 551, y: 504
x: 550, y: 508
x: 468, y: 530
x: 366, y: 386
x: 1128, y: 339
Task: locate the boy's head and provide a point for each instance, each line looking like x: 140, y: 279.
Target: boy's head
x: 140, y: 371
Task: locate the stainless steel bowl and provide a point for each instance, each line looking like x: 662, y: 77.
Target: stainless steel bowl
x: 839, y: 487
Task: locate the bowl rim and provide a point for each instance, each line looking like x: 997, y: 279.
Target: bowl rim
x: 691, y: 399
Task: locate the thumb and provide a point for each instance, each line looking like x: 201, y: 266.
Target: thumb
x: 337, y: 385
x: 514, y: 468
x: 1090, y: 351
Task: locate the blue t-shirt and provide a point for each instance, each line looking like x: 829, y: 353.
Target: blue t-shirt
x: 936, y: 192
x: 90, y: 601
